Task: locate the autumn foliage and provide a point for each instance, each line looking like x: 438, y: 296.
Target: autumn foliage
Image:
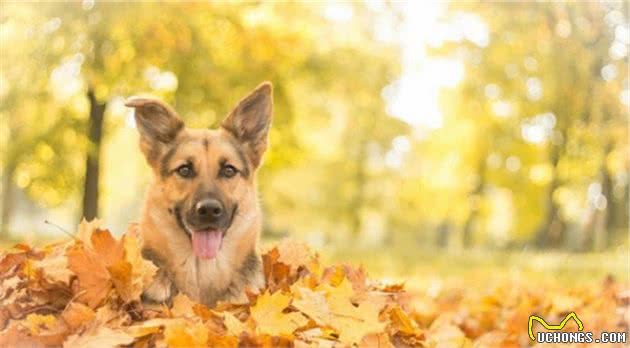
x: 86, y: 293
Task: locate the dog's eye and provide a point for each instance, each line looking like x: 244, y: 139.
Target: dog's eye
x: 185, y: 171
x: 228, y: 171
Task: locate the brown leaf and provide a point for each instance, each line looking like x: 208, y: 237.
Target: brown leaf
x: 293, y: 253
x: 77, y: 314
x: 121, y: 277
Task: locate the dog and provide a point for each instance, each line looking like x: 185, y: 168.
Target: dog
x: 201, y: 221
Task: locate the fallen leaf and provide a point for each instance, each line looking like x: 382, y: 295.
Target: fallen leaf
x: 107, y: 247
x: 293, y: 253
x: 37, y: 322
x: 270, y: 318
x: 55, y: 265
x: 102, y: 336
x: 122, y: 280
x: 446, y: 335
x: 94, y: 279
x: 85, y: 230
x: 234, y: 326
x: 182, y: 306
x: 142, y: 271
x: 77, y: 314
x: 313, y: 304
x: 185, y: 334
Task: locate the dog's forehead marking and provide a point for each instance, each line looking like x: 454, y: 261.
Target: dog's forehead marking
x: 207, y: 146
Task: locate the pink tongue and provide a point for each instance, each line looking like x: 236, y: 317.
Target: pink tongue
x: 206, y: 244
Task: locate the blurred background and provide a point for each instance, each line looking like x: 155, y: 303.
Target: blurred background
x: 417, y: 139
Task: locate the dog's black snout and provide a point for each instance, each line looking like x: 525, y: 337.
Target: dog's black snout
x: 209, y: 209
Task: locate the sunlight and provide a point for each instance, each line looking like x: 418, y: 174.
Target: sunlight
x: 414, y: 97
x: 65, y: 80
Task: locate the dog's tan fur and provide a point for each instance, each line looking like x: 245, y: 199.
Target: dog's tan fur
x: 240, y: 141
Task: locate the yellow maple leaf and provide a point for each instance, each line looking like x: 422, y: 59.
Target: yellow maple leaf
x: 355, y: 323
x: 402, y: 322
x: 313, y: 304
x: 234, y: 326
x: 182, y: 306
x: 147, y: 327
x: 185, y: 334
x: 134, y: 272
x: 270, y: 319
x: 352, y: 323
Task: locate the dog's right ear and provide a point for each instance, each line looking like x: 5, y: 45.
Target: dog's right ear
x: 158, y: 125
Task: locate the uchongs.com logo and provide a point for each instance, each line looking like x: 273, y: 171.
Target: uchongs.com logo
x: 555, y: 335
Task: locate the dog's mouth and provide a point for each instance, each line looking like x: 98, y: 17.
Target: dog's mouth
x: 207, y: 243
x: 206, y: 240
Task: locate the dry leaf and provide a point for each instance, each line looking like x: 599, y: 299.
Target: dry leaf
x: 313, y: 304
x: 85, y: 293
x: 182, y: 306
x: 142, y: 271
x: 107, y: 247
x: 94, y: 279
x: 185, y: 334
x: 270, y: 318
x: 55, y: 265
x: 77, y: 314
x: 101, y: 337
x: 85, y: 230
x: 234, y: 326
x: 293, y: 253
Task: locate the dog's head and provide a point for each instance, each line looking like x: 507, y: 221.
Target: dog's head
x: 205, y: 177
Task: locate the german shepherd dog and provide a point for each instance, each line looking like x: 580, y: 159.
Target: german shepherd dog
x: 201, y: 220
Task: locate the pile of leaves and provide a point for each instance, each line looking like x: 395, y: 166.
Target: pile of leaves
x: 86, y: 293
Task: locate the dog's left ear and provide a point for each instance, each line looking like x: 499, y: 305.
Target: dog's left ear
x: 250, y: 120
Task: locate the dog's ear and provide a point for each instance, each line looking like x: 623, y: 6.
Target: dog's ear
x: 250, y: 120
x: 158, y: 125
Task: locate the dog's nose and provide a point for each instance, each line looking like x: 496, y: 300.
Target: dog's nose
x: 209, y: 209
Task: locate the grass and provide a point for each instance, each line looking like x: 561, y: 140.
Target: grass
x: 421, y: 267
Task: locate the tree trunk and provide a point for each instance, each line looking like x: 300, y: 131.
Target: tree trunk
x: 357, y: 201
x: 95, y: 134
x: 7, y: 200
x: 551, y: 231
x: 603, y: 226
x: 475, y: 197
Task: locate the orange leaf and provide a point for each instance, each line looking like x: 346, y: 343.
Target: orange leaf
x: 108, y: 248
x: 77, y: 314
x: 94, y: 279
